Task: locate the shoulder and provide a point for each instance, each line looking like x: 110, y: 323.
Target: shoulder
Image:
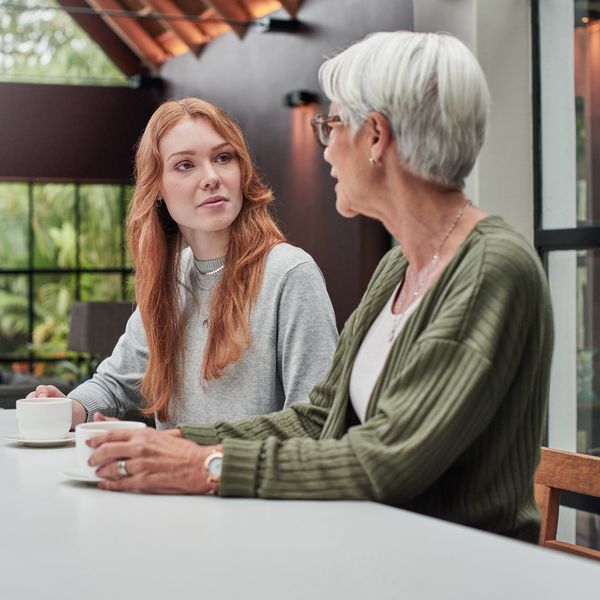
x: 284, y: 257
x: 500, y: 257
x: 496, y: 286
x: 286, y: 263
x: 292, y: 272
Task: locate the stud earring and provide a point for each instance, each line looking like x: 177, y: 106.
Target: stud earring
x: 159, y: 203
x: 372, y: 161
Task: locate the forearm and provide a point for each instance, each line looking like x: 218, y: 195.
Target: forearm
x: 301, y: 420
x: 115, y: 387
x: 303, y: 469
x: 394, y: 456
x: 112, y: 400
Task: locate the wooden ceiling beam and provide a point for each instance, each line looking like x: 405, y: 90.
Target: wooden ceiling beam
x: 230, y: 9
x: 105, y: 37
x: 291, y: 6
x: 187, y: 31
x: 132, y: 34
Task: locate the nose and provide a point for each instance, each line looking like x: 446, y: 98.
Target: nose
x: 210, y: 179
x: 326, y: 154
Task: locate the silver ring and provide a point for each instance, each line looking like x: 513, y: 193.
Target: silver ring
x: 122, y: 468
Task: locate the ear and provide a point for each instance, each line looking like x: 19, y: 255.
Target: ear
x: 379, y: 135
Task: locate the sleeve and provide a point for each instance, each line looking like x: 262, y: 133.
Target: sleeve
x: 115, y: 387
x: 300, y: 420
x: 435, y: 402
x: 306, y: 332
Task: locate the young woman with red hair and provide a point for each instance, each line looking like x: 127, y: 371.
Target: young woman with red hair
x: 237, y: 324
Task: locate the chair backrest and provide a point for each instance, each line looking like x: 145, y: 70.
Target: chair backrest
x: 97, y: 326
x: 564, y: 471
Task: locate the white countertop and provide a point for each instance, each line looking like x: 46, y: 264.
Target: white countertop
x: 65, y: 540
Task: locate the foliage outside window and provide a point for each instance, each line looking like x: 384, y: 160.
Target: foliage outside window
x: 48, y: 46
x: 58, y: 243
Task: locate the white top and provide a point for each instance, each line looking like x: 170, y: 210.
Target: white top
x: 62, y: 540
x: 373, y: 353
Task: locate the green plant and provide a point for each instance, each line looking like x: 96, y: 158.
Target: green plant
x: 585, y: 376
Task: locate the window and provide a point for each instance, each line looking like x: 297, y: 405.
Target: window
x: 567, y: 234
x: 41, y: 43
x: 58, y: 243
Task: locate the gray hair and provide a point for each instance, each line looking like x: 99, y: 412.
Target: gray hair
x: 430, y: 88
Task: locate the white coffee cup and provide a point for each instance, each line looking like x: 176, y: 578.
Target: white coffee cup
x: 44, y: 418
x: 85, y: 431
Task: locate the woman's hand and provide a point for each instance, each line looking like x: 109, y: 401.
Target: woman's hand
x: 160, y: 462
x: 79, y: 414
x: 100, y: 418
x: 46, y: 391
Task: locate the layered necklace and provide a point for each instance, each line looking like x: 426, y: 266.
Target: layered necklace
x: 208, y: 274
x: 424, y: 274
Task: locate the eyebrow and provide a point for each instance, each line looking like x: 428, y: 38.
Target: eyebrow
x: 192, y: 152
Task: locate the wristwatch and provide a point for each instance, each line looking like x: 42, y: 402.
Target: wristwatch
x: 214, y: 465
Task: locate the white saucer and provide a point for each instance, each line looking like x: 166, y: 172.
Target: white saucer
x: 76, y: 474
x: 17, y: 438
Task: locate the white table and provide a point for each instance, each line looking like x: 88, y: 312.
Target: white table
x: 62, y: 540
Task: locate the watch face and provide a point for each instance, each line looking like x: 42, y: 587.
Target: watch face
x: 215, y: 466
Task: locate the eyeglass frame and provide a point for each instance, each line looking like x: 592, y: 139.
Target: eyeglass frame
x: 322, y: 128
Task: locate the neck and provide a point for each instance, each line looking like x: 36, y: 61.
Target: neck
x: 207, y: 245
x: 420, y: 214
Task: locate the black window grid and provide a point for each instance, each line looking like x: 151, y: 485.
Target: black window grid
x: 31, y: 357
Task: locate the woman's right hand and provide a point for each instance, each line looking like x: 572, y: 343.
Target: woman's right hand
x: 79, y: 414
x: 46, y: 391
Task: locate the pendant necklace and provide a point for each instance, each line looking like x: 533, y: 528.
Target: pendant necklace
x: 423, y: 276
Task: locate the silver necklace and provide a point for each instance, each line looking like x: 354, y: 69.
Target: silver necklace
x: 208, y: 274
x: 423, y: 276
x: 213, y: 272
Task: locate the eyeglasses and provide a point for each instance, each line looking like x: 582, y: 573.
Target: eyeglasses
x: 322, y: 127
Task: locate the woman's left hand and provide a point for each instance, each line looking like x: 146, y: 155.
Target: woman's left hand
x: 160, y: 462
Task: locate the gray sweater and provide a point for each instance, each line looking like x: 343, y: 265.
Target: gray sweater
x: 293, y: 337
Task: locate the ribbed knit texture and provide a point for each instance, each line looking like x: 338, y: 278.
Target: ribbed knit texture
x: 454, y: 423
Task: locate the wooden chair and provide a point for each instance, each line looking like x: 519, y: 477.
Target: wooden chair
x: 564, y: 471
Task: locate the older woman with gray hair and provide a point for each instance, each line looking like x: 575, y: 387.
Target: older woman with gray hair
x: 436, y: 396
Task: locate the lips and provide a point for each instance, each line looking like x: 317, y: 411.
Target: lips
x: 213, y: 201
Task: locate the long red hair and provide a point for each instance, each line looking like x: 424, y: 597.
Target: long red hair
x: 155, y: 243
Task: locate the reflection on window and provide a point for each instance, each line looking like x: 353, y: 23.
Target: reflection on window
x: 588, y: 386
x: 587, y: 110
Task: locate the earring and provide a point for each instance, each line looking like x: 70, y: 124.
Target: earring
x: 159, y: 203
x: 372, y: 161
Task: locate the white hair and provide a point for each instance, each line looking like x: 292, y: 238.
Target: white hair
x: 430, y: 88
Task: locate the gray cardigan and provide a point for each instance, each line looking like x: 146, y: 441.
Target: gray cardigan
x: 293, y: 337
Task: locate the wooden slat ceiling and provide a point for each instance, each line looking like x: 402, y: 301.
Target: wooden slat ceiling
x: 139, y: 45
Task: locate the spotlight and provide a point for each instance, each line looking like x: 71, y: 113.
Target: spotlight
x: 297, y: 98
x: 273, y: 25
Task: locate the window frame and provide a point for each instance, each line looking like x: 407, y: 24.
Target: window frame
x: 31, y: 271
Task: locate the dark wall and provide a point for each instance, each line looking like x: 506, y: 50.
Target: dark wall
x: 79, y: 133
x: 249, y: 78
x: 72, y: 133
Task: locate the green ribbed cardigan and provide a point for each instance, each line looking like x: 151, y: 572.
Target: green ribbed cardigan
x: 454, y: 423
